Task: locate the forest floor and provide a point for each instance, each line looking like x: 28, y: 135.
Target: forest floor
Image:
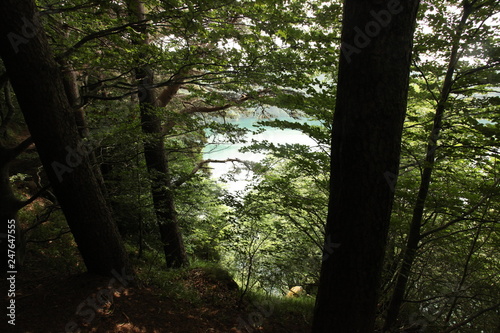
x: 48, y: 301
x: 54, y: 296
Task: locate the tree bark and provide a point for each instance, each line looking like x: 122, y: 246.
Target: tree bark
x: 37, y: 82
x: 366, y: 141
x: 154, y: 152
x: 159, y: 172
x: 72, y: 90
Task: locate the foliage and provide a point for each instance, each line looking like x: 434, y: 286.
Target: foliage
x: 50, y: 246
x: 278, y: 226
x: 233, y: 58
x: 454, y: 263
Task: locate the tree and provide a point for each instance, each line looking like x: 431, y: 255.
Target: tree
x: 459, y: 86
x: 286, y: 206
x: 366, y: 137
x: 154, y: 151
x: 37, y: 82
x: 202, y: 62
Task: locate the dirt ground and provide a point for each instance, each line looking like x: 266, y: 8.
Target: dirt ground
x: 51, y: 303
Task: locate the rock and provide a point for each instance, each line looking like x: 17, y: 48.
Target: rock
x: 296, y: 291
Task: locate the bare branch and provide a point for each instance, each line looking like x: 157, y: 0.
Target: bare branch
x: 16, y: 151
x: 471, y: 318
x: 49, y: 11
x: 34, y: 197
x: 170, y: 91
x: 61, y: 233
x: 427, y: 84
x: 477, y: 69
x: 98, y: 34
x: 41, y: 219
x: 8, y: 154
x: 461, y: 217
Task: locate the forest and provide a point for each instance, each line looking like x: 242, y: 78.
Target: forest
x: 384, y: 218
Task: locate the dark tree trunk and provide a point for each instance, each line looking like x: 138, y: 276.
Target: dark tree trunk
x: 366, y: 140
x: 158, y: 169
x: 72, y: 90
x: 37, y: 82
x: 156, y: 159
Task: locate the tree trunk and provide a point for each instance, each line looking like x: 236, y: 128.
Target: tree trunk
x: 159, y: 171
x: 156, y: 159
x: 72, y: 90
x: 425, y: 181
x: 37, y: 82
x: 366, y: 141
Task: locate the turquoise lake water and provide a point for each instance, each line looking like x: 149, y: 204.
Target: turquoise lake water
x: 225, y: 151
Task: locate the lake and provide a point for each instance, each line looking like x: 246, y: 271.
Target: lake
x: 276, y: 136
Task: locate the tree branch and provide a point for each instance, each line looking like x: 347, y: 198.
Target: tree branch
x: 471, y: 318
x: 34, y: 197
x: 208, y: 109
x: 40, y: 219
x: 61, y: 233
x: 461, y: 217
x: 95, y: 35
x: 16, y: 151
x: 48, y: 11
x: 477, y: 69
x: 8, y: 154
x: 427, y: 84
x: 200, y: 165
x: 170, y: 91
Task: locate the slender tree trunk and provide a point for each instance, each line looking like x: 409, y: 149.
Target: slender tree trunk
x: 73, y: 92
x: 159, y: 171
x: 37, y: 82
x: 156, y: 159
x: 418, y: 210
x: 366, y: 141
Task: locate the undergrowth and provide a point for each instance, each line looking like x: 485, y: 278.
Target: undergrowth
x: 256, y: 307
